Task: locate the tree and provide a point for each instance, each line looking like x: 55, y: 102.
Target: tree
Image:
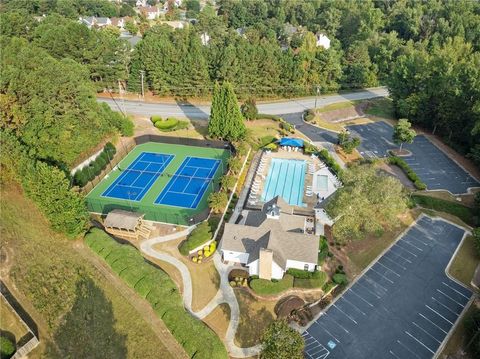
x: 368, y: 203
x: 226, y: 120
x: 279, y: 341
x: 402, y: 133
x: 476, y: 238
x: 249, y: 109
x: 217, y: 201
x: 193, y: 8
x: 228, y: 181
x: 234, y: 164
x: 347, y: 143
x: 472, y: 329
x: 131, y: 27
x: 7, y: 348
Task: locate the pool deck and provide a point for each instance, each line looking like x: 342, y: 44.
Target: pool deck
x: 281, y: 154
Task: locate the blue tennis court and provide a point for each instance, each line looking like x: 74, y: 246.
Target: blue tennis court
x: 136, y: 179
x: 189, y: 183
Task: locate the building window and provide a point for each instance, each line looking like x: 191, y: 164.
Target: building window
x: 305, y: 267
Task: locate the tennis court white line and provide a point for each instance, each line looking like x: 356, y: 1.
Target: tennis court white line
x: 423, y: 330
x: 453, y: 300
x: 455, y: 290
x: 424, y: 317
x: 419, y: 342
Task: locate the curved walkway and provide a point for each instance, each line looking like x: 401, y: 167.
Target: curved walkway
x: 225, y: 293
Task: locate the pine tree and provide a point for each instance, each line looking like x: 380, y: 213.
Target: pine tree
x: 217, y: 113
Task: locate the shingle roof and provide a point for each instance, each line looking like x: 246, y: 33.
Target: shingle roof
x: 118, y: 218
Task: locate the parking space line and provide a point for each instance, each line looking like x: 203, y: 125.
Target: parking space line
x: 375, y: 283
x: 395, y: 355
x: 424, y: 317
x: 353, y: 305
x: 419, y: 342
x: 453, y: 300
x: 403, y: 345
x: 333, y: 320
x: 423, y: 330
x: 349, y: 317
x: 455, y: 290
x: 328, y: 332
x: 393, y: 262
x: 399, y: 255
x: 441, y: 316
x: 380, y: 274
x: 362, y: 285
x: 443, y: 305
x: 366, y: 301
x: 405, y: 241
x: 406, y: 250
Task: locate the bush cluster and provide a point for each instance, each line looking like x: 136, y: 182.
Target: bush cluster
x: 266, y: 287
x: 465, y: 213
x: 309, y: 149
x: 94, y: 168
x: 330, y: 161
x: 323, y: 251
x: 7, y: 347
x: 206, y: 252
x: 200, y: 235
x: 412, y: 176
x: 309, y: 115
x: 158, y: 289
x: 266, y: 140
x: 169, y: 124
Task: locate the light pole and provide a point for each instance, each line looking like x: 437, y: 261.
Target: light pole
x: 316, y: 96
x: 141, y: 75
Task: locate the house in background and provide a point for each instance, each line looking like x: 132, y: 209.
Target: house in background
x: 150, y: 12
x: 168, y: 3
x: 270, y: 241
x: 323, y: 41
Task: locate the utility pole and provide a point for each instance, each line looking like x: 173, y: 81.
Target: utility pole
x: 141, y: 74
x: 316, y: 96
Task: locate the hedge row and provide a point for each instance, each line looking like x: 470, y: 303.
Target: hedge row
x: 267, y: 287
x: 94, y: 168
x: 200, y: 235
x: 465, y: 213
x: 330, y: 161
x: 316, y: 281
x: 169, y: 124
x: 158, y: 289
x: 412, y: 176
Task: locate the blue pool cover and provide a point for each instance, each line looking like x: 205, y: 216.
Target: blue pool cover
x: 294, y: 142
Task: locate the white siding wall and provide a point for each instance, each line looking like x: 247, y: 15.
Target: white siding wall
x: 300, y: 265
x: 232, y: 256
x: 253, y: 268
x: 277, y: 271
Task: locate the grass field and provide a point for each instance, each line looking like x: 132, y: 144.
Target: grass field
x: 162, y: 213
x: 67, y: 292
x: 465, y: 262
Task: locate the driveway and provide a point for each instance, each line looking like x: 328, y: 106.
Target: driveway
x: 402, y: 307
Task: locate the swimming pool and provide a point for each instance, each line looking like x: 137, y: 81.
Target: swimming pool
x: 322, y: 183
x: 286, y: 179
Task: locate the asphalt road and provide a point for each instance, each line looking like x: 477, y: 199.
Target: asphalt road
x: 274, y: 108
x: 401, y: 308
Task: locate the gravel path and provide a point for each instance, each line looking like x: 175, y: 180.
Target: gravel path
x: 225, y: 293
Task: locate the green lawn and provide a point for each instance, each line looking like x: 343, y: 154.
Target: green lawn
x: 465, y: 262
x: 381, y: 107
x: 336, y: 106
x: 178, y: 215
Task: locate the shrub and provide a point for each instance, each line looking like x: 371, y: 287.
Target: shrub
x: 156, y: 118
x: 287, y: 126
x: 266, y: 287
x: 266, y: 116
x: 196, y: 338
x: 271, y: 147
x: 200, y: 235
x: 317, y: 281
x: 181, y: 125
x: 340, y: 279
x: 412, y: 176
x: 309, y: 149
x: 330, y: 161
x: 7, y: 348
x: 168, y: 124
x: 266, y: 140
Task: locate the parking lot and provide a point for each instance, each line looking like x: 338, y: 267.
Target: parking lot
x: 401, y: 308
x: 434, y: 167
